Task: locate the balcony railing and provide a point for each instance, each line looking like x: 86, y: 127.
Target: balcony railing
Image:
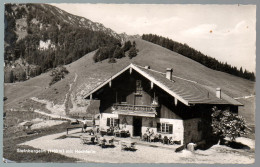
x: 134, y: 108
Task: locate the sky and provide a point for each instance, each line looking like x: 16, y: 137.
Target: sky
x: 225, y: 32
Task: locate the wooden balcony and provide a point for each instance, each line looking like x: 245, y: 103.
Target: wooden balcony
x: 135, y: 110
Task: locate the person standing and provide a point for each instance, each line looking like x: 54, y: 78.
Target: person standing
x: 84, y: 124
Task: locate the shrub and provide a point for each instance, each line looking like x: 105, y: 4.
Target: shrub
x: 112, y: 60
x: 228, y: 124
x: 58, y: 74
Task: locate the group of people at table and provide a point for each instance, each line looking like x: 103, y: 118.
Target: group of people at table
x: 98, y: 136
x: 148, y: 136
x: 118, y: 132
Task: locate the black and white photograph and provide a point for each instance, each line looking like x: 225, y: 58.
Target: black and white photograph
x: 129, y: 83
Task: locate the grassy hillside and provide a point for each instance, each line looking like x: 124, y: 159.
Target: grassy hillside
x: 44, y: 37
x: 85, y: 75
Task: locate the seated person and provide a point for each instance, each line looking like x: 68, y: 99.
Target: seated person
x: 151, y: 133
x: 171, y: 140
x: 116, y: 130
x: 123, y: 127
x: 91, y: 132
x: 145, y: 137
x: 156, y: 137
x: 110, y: 130
x: 148, y: 131
x: 102, y: 139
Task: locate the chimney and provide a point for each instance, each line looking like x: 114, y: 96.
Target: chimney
x: 218, y: 93
x: 147, y: 67
x: 169, y: 73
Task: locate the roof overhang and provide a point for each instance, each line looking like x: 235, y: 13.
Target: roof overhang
x: 144, y: 74
x: 212, y: 103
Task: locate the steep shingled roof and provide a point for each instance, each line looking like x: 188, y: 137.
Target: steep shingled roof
x: 186, y: 91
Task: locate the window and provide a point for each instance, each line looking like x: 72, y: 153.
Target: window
x: 164, y: 128
x: 120, y: 96
x: 139, y: 87
x: 112, y: 122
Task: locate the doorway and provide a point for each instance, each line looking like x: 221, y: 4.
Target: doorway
x: 137, y: 125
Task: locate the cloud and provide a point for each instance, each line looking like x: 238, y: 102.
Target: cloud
x: 202, y: 31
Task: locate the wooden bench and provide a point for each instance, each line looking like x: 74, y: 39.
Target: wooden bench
x: 74, y: 128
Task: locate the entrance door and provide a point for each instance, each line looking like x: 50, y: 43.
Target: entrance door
x: 137, y: 124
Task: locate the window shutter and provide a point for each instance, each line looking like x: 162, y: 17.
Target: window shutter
x: 117, y: 121
x: 158, y: 127
x: 108, y: 121
x: 170, y: 128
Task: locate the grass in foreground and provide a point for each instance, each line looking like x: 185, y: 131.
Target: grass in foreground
x: 11, y: 142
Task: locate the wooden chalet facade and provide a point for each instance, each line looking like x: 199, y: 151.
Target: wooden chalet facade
x: 139, y: 98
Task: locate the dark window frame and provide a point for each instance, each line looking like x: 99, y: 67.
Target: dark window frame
x: 164, y: 128
x: 113, y: 121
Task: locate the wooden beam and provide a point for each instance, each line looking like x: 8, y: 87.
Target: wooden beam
x: 130, y: 70
x: 90, y: 97
x: 161, y: 85
x: 151, y: 85
x: 110, y: 83
x: 175, y: 101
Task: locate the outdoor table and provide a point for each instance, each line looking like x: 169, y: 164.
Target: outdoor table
x: 117, y: 133
x: 123, y: 133
x: 127, y: 145
x: 103, y: 141
x: 87, y: 139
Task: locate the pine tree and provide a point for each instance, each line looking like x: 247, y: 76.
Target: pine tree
x: 132, y: 52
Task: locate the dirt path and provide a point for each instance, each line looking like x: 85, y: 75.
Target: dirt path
x: 53, y: 115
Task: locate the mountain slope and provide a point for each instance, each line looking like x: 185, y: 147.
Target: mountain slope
x: 85, y: 75
x: 39, y: 37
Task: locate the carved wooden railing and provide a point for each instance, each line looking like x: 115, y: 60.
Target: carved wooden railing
x: 130, y: 107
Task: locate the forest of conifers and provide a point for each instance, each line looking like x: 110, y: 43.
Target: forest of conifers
x: 197, y: 56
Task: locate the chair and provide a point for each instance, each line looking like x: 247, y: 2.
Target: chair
x: 102, y: 142
x: 117, y: 133
x: 103, y: 132
x: 110, y: 132
x: 111, y: 142
x: 165, y: 140
x: 152, y: 138
x: 156, y: 138
x: 122, y: 133
x: 160, y: 138
x: 128, y: 134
